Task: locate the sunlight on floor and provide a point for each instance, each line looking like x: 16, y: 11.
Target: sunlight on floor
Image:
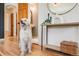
x: 35, y: 40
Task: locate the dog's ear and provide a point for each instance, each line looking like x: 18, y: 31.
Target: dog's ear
x: 22, y: 22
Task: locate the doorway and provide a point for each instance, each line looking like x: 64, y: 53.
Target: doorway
x: 34, y: 20
x: 22, y: 13
x: 10, y: 20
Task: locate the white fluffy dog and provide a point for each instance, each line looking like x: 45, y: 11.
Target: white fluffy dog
x: 25, y: 36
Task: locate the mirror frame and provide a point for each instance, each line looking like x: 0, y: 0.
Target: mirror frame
x: 63, y: 12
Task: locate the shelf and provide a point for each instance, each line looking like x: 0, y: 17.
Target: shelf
x: 56, y: 48
x: 63, y: 24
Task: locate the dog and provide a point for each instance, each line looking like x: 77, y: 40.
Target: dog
x: 25, y: 43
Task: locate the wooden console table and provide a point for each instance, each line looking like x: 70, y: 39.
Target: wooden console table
x: 54, y: 25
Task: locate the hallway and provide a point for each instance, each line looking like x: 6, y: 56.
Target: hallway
x: 46, y: 28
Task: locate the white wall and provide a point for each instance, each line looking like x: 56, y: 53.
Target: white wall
x: 15, y: 24
x: 64, y: 33
x: 72, y: 16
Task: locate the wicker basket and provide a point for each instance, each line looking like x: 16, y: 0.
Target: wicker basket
x: 69, y: 47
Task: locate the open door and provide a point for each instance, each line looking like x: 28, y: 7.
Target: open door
x: 22, y: 12
x: 12, y: 25
x: 1, y: 20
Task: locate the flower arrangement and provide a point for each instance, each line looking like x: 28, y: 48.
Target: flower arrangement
x: 48, y: 20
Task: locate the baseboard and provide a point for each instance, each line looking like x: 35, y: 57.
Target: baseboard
x: 1, y: 40
x: 35, y: 43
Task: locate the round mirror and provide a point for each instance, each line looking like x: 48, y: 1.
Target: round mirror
x: 61, y: 8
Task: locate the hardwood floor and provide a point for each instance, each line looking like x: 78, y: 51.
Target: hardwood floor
x: 10, y: 48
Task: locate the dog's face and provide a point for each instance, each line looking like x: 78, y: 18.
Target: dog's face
x: 24, y: 23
